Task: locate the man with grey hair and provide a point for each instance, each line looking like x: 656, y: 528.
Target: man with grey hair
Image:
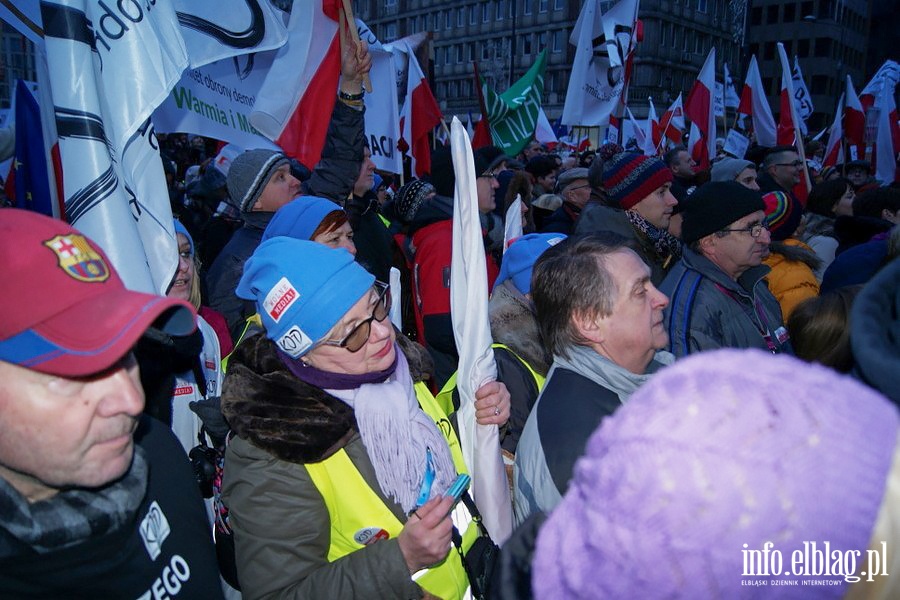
x: 602, y: 319
x: 575, y: 190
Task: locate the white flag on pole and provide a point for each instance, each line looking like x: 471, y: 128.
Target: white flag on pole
x: 602, y: 45
x: 513, y: 223
x: 471, y: 329
x: 802, y: 99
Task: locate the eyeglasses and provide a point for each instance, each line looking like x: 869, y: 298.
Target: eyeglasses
x: 488, y: 175
x: 358, y: 337
x: 754, y: 230
x: 795, y: 164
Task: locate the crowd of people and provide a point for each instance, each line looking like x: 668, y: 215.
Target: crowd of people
x: 694, y: 367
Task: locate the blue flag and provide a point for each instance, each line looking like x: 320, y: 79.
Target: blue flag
x: 32, y: 182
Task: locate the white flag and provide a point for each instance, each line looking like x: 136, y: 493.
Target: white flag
x: 602, y: 45
x: 732, y: 100
x: 472, y: 332
x: 513, y: 223
x: 802, y: 99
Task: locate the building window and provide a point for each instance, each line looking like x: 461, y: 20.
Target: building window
x: 526, y: 7
x: 559, y: 42
x: 790, y: 13
x: 542, y: 40
x: 448, y: 19
x: 512, y: 9
x: 498, y: 10
x: 526, y: 44
x: 459, y: 53
x: 471, y: 50
x: 390, y: 3
x: 674, y: 31
x: 826, y: 9
x: 767, y: 83
x: 485, y: 50
x: 702, y: 6
x: 819, y: 84
x: 698, y: 44
x: 454, y: 89
x: 754, y: 49
x: 485, y: 12
x: 823, y: 47
x: 558, y: 4
x: 769, y: 50
x: 772, y: 14
x: 461, y: 17
x: 806, y: 8
x: 686, y: 45
x: 756, y: 15
x: 542, y: 5
x: 802, y: 48
x: 391, y: 32
x: 788, y: 47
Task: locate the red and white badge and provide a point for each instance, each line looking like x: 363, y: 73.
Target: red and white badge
x: 280, y: 298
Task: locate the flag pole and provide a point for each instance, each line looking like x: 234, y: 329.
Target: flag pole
x: 348, y: 19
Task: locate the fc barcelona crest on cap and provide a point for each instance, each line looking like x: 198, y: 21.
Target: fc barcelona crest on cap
x: 78, y: 259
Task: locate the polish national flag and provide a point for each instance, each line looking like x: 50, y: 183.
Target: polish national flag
x: 834, y: 151
x: 700, y: 110
x: 789, y: 130
x: 293, y: 107
x: 672, y: 123
x: 419, y: 116
x: 888, y: 74
x: 887, y: 138
x: 854, y: 123
x: 754, y: 104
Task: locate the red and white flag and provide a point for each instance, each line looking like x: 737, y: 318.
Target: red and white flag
x: 701, y: 111
x: 854, y: 123
x: 652, y: 135
x: 293, y: 107
x: 789, y: 124
x: 672, y: 123
x: 887, y: 137
x: 888, y: 74
x: 754, y: 104
x: 834, y: 151
x: 419, y: 116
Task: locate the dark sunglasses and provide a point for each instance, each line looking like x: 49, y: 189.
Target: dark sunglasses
x: 359, y: 335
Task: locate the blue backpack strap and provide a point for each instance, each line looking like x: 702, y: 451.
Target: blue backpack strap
x: 682, y: 303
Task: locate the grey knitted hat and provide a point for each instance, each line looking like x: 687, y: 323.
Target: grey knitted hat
x: 249, y: 173
x: 727, y: 169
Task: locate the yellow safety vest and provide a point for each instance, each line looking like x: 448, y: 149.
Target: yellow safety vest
x: 251, y: 325
x: 445, y: 396
x: 358, y: 514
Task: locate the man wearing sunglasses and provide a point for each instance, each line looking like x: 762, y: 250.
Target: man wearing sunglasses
x: 718, y: 296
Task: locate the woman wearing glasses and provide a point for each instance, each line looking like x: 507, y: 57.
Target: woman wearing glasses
x: 336, y: 480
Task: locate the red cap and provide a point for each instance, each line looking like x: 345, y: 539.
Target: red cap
x: 65, y: 310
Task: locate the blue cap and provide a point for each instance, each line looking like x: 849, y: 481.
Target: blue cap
x: 301, y: 290
x: 521, y: 255
x: 299, y: 218
x: 376, y: 182
x: 180, y: 228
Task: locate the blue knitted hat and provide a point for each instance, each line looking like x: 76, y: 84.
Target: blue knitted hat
x: 299, y: 218
x: 180, y: 228
x: 518, y: 262
x: 301, y: 290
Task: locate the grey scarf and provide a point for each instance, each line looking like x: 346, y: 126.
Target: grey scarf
x: 397, y: 434
x: 604, y: 372
x: 71, y: 516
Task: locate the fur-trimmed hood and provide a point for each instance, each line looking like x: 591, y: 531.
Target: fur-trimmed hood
x: 268, y: 406
x: 513, y: 323
x: 794, y: 251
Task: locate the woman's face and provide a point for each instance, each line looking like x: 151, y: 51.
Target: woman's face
x: 341, y: 237
x: 184, y: 277
x: 377, y: 354
x: 844, y: 205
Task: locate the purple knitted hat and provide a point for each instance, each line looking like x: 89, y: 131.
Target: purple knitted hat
x: 721, y: 450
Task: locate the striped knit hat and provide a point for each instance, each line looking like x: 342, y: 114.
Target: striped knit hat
x: 629, y: 178
x: 783, y: 214
x: 249, y: 174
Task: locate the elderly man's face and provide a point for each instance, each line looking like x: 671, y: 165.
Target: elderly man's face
x: 61, y: 432
x: 857, y: 176
x: 738, y: 250
x: 683, y: 165
x: 578, y: 192
x: 634, y: 331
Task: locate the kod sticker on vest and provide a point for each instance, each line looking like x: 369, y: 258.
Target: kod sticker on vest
x: 294, y: 342
x: 280, y: 298
x: 370, y: 535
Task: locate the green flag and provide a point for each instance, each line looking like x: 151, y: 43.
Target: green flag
x: 513, y: 114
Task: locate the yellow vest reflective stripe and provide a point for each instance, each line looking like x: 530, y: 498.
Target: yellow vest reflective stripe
x: 252, y: 323
x: 359, y: 515
x: 445, y: 396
